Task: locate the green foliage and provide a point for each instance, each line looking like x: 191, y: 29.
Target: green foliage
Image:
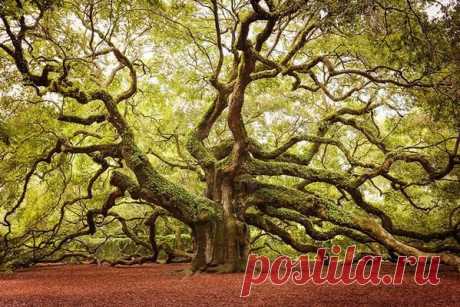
x: 172, y: 47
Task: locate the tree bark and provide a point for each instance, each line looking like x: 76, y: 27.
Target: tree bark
x: 222, y: 244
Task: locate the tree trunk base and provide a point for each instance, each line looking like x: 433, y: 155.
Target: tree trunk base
x: 220, y: 247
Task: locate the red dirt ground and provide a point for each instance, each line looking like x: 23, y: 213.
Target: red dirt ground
x: 167, y: 285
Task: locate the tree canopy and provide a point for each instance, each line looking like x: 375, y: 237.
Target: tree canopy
x: 204, y: 130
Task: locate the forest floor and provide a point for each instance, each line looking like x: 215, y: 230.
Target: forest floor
x: 168, y: 285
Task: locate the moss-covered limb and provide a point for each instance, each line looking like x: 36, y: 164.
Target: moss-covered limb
x: 263, y: 195
x: 157, y: 190
x: 273, y: 168
x: 133, y: 261
x: 127, y: 231
x: 371, y: 227
x: 223, y: 149
x: 433, y: 172
x: 256, y: 193
x: 64, y: 87
x: 213, y: 113
x: 16, y: 50
x: 153, y: 187
x: 260, y: 221
x: 294, y: 216
x: 280, y: 154
x: 374, y: 229
x: 318, y: 139
x: 21, y: 261
x: 61, y: 84
x: 388, y: 224
x: 106, y: 150
x: 347, y: 183
x: 65, y: 256
x: 442, y: 247
x: 373, y: 170
x: 312, y: 205
x: 86, y: 121
x: 195, y: 139
x: 260, y: 153
x: 201, y: 154
x: 150, y: 222
x: 174, y: 255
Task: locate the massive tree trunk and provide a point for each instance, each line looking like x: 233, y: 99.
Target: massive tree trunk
x: 220, y: 238
x: 221, y: 244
